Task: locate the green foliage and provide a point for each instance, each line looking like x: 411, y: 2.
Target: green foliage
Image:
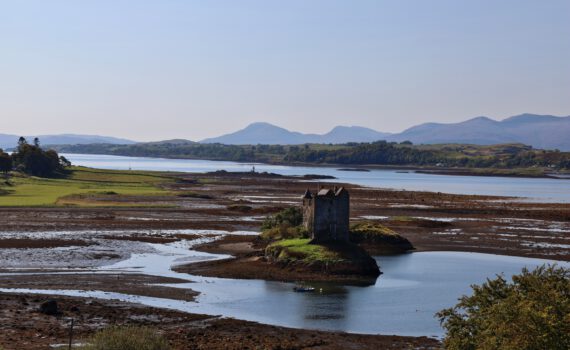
x: 292, y: 217
x: 300, y: 249
x: 284, y: 231
x: 378, y: 239
x: 33, y: 160
x: 127, y: 338
x: 532, y: 312
x: 285, y: 224
x: 5, y: 162
x: 381, y: 152
x: 371, y: 230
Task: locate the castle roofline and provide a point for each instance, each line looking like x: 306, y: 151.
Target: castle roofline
x: 325, y: 192
x: 340, y: 191
x: 307, y: 195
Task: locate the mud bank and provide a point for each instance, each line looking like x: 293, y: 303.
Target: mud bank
x: 22, y: 327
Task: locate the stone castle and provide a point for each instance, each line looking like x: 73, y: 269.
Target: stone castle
x: 326, y: 214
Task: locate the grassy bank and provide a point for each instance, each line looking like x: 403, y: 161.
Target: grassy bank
x: 299, y: 249
x: 80, y: 187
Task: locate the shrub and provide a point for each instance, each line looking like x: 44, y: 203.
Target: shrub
x: 532, y: 312
x: 127, y: 338
x: 284, y: 231
x: 292, y: 216
x: 369, y: 230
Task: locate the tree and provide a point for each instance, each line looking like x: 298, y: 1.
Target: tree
x: 292, y: 216
x: 33, y: 160
x: 532, y: 312
x: 5, y: 162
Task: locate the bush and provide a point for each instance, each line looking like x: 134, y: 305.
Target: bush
x: 127, y: 338
x: 532, y: 312
x: 292, y: 216
x: 284, y: 231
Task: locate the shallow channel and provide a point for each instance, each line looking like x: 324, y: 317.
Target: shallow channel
x: 403, y: 301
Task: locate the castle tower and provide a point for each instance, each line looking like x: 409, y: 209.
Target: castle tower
x: 326, y: 214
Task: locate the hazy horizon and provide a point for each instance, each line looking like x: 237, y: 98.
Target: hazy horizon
x: 151, y: 70
x: 231, y: 131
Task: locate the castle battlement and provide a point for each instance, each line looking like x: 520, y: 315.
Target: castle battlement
x: 326, y: 214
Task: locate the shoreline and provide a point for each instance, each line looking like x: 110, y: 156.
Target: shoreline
x: 490, y: 172
x: 246, y: 263
x: 183, y: 330
x: 93, y: 236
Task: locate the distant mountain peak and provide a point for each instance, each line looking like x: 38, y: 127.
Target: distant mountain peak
x: 481, y: 118
x: 9, y: 141
x: 533, y: 118
x: 266, y: 133
x: 539, y: 131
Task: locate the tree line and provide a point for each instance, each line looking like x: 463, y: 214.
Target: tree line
x: 375, y: 153
x: 31, y: 159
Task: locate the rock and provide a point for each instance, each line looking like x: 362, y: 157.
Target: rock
x: 49, y: 307
x: 378, y: 239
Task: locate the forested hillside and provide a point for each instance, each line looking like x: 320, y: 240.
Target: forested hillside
x: 376, y: 153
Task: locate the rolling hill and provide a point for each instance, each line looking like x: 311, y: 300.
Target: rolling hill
x: 9, y: 141
x: 269, y: 134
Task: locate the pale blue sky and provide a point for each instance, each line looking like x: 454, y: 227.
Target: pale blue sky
x: 151, y: 70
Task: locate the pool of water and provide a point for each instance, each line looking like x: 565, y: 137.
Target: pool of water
x: 403, y: 301
x: 531, y: 189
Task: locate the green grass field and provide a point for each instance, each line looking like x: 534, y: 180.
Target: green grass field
x: 79, y: 187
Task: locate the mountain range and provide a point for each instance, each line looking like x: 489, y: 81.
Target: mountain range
x: 539, y: 131
x: 10, y: 141
x: 269, y: 134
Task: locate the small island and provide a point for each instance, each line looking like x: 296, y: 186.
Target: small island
x: 324, y: 244
x: 312, y: 242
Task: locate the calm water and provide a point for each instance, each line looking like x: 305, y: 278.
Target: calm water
x: 538, y: 190
x: 403, y: 301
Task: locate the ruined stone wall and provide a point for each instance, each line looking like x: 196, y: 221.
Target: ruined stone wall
x: 308, y: 214
x: 342, y: 212
x: 326, y: 215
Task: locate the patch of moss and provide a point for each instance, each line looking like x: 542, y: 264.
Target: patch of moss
x: 368, y: 230
x: 300, y: 249
x: 378, y: 239
x: 284, y: 231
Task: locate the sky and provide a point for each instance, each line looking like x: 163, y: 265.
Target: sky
x: 163, y: 69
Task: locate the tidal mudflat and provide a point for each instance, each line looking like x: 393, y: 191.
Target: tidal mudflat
x: 145, y: 250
